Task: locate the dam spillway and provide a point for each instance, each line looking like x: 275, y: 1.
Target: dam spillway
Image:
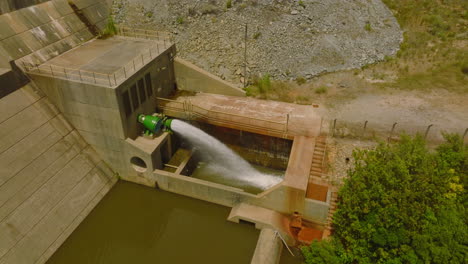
x: 81, y: 102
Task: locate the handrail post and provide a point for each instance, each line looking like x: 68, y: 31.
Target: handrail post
x: 51, y: 70
x: 282, y: 239
x: 334, y: 126
x: 115, y: 80
x: 151, y: 56
x: 364, y: 130
x: 79, y: 73
x: 391, y: 132
x: 65, y: 71
x: 427, y: 130
x: 125, y: 72
x: 142, y: 60
x: 134, y: 69
x: 94, y: 75
x: 108, y: 76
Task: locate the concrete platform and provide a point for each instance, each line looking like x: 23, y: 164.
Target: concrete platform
x: 106, y: 62
x: 263, y: 218
x: 50, y: 179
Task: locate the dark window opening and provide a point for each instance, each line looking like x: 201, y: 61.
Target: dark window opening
x: 149, y: 87
x: 126, y: 103
x: 141, y: 90
x: 133, y: 93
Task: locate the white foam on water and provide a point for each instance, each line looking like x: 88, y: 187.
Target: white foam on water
x: 223, y: 160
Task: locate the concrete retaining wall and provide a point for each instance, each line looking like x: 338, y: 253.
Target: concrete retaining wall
x: 315, y: 211
x: 192, y: 78
x: 40, y: 32
x: 269, y: 247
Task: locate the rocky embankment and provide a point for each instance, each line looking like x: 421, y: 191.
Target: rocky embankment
x: 286, y: 39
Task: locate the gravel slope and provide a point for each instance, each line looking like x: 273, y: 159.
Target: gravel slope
x: 286, y: 39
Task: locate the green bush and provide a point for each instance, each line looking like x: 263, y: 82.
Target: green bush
x: 302, y: 4
x: 263, y: 84
x: 401, y: 203
x: 300, y: 80
x: 368, y: 27
x: 229, y: 4
x: 321, y: 90
x: 180, y: 20
x: 110, y: 29
x: 257, y: 35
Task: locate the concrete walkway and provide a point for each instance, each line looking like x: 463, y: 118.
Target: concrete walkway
x: 50, y: 179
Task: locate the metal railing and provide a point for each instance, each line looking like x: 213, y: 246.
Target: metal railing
x: 162, y: 36
x: 162, y: 42
x: 193, y: 112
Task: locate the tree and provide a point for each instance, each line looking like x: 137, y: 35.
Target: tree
x: 401, y: 203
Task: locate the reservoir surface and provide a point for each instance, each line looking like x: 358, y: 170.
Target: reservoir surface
x: 136, y: 224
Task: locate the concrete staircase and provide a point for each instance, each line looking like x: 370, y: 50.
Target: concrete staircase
x: 318, y: 168
x: 328, y: 230
x: 318, y: 174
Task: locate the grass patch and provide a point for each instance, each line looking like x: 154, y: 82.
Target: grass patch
x: 321, y: 90
x: 302, y: 4
x: 300, y: 80
x: 257, y: 35
x: 303, y: 99
x: 180, y: 20
x: 368, y: 27
x: 229, y: 4
x: 110, y: 30
x: 264, y: 88
x: 433, y: 52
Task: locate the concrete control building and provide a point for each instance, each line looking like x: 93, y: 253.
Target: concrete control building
x: 69, y: 102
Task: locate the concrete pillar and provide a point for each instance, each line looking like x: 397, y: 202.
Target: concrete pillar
x: 269, y: 246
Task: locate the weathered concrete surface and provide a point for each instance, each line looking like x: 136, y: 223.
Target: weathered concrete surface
x: 105, y: 55
x: 263, y: 218
x: 40, y: 32
x: 269, y: 247
x: 189, y: 77
x: 12, y: 5
x: 316, y: 211
x: 98, y: 111
x: 258, y: 116
x: 50, y: 179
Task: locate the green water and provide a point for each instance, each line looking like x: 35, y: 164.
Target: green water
x: 135, y: 224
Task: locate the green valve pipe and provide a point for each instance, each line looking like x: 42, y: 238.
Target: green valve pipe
x: 155, y: 124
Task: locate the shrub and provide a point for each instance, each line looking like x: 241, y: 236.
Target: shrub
x: 321, y: 90
x: 264, y: 84
x: 302, y: 4
x: 110, y: 29
x: 302, y: 99
x: 229, y: 4
x: 368, y: 27
x: 401, y: 203
x: 300, y: 80
x: 180, y: 20
x: 257, y: 35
